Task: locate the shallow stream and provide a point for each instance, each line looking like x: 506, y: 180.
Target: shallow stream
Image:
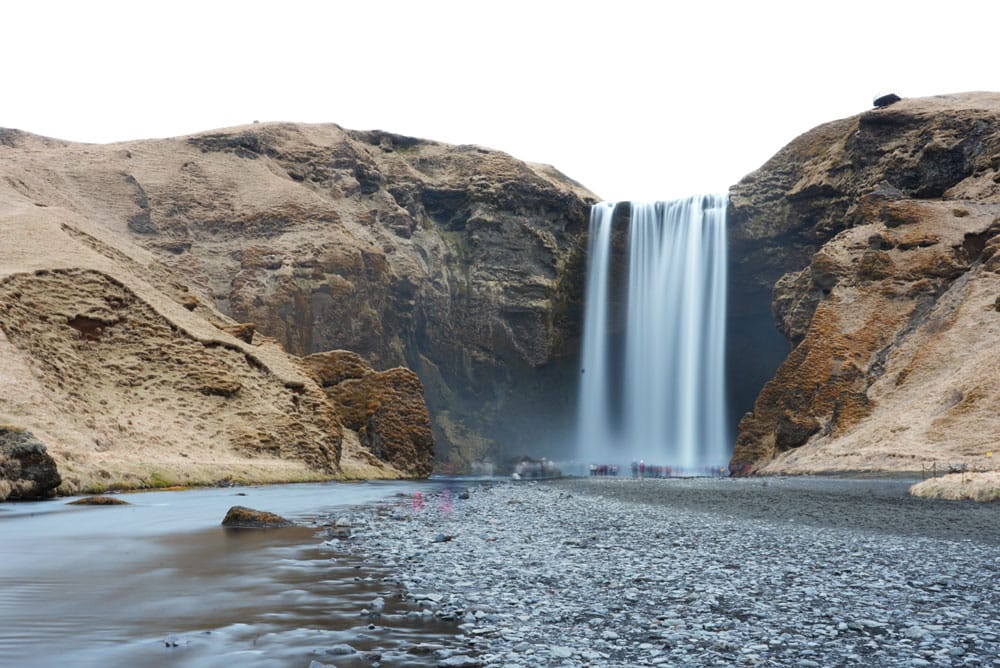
x: 160, y: 582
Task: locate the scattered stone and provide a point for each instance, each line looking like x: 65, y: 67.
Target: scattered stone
x: 459, y: 661
x: 560, y: 652
x: 241, y: 517
x: 659, y: 587
x: 341, y: 650
x: 98, y: 501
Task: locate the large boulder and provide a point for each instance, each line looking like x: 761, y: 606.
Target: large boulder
x: 241, y: 517
x: 26, y: 469
x: 876, y: 237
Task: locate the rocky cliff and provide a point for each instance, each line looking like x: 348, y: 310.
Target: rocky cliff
x: 148, y: 287
x: 876, y: 238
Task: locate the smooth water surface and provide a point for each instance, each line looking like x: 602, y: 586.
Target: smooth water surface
x: 121, y: 585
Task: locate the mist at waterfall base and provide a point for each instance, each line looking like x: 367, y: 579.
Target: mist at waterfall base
x: 652, y: 376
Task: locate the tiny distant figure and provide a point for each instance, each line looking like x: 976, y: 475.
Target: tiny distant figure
x: 418, y: 501
x: 446, y: 503
x: 642, y: 468
x: 593, y: 470
x: 635, y: 469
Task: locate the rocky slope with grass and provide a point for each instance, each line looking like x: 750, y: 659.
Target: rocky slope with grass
x: 114, y: 373
x: 156, y: 299
x: 878, y: 237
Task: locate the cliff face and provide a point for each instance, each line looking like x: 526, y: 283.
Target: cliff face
x: 879, y: 234
x: 460, y: 263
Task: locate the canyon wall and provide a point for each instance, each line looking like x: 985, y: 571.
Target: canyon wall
x: 875, y: 238
x: 155, y: 273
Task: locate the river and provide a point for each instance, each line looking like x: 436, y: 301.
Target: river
x: 160, y: 582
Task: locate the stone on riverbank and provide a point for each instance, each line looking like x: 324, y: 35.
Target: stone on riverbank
x: 98, y: 501
x: 26, y: 469
x: 697, y: 573
x: 241, y: 517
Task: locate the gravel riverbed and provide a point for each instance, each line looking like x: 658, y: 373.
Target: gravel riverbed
x: 701, y: 572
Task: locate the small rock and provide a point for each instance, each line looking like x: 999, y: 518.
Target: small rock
x: 241, y: 517
x: 341, y: 650
x: 459, y: 661
x: 886, y: 100
x: 98, y: 501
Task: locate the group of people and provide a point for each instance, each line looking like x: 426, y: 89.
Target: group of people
x: 535, y: 468
x: 640, y: 469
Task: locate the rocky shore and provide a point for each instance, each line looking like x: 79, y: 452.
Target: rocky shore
x: 619, y: 572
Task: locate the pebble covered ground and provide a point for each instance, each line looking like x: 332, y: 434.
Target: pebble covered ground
x: 621, y: 572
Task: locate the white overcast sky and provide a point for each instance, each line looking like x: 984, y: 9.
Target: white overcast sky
x: 636, y: 100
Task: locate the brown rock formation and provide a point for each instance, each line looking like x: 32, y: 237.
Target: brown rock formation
x: 878, y: 234
x: 241, y: 517
x: 127, y: 377
x: 26, y: 469
x: 456, y: 261
x: 385, y: 408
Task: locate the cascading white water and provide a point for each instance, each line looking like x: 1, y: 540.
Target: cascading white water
x: 593, y: 425
x: 661, y: 398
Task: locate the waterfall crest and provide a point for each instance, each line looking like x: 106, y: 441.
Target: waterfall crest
x: 652, y: 385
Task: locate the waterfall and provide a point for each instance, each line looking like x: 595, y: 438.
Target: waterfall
x: 652, y: 383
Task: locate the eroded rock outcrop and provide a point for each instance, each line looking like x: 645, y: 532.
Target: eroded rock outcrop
x: 26, y: 469
x: 879, y: 234
x: 458, y: 262
x: 385, y: 408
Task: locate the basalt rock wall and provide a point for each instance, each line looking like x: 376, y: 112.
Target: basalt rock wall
x: 875, y: 240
